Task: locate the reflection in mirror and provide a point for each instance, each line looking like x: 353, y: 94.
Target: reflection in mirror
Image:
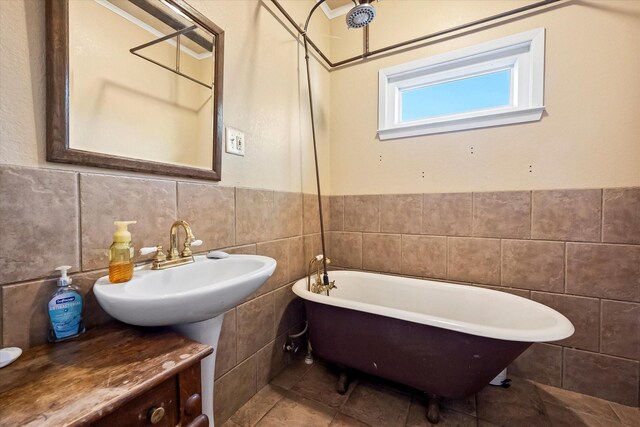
x: 140, y: 82
x: 134, y: 85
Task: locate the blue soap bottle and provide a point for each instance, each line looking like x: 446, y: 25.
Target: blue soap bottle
x: 65, y: 309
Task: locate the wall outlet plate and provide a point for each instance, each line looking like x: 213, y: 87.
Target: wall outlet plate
x: 234, y: 141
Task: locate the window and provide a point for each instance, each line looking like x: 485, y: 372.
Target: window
x: 491, y: 84
x: 479, y: 92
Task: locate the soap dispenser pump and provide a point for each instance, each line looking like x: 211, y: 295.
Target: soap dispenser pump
x: 65, y: 309
x: 121, y: 254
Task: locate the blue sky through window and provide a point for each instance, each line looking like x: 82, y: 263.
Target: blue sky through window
x: 458, y: 96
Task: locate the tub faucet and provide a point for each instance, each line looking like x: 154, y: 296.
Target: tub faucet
x: 318, y: 287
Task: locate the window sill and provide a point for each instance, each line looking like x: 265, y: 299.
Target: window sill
x: 523, y: 115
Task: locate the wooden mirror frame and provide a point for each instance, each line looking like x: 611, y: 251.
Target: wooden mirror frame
x: 57, y: 60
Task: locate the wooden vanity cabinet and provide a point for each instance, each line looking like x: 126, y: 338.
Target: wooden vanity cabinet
x: 115, y: 376
x: 174, y: 402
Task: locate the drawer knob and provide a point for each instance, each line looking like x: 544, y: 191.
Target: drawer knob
x: 156, y: 414
x: 193, y: 404
x: 199, y: 421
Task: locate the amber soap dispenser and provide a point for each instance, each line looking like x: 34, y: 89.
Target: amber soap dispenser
x: 121, y: 254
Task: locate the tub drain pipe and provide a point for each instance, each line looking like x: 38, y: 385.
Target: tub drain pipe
x: 308, y: 358
x: 289, y: 345
x: 299, y: 334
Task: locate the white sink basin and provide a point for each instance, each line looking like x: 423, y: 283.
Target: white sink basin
x: 190, y: 298
x: 189, y: 293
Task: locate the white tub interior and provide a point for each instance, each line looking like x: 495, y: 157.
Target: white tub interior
x: 462, y: 308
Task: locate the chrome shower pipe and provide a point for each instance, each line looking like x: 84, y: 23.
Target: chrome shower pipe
x: 325, y: 275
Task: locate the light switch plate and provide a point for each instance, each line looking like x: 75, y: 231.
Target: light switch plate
x: 234, y: 141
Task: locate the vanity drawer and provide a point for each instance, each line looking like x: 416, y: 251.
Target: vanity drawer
x: 162, y: 404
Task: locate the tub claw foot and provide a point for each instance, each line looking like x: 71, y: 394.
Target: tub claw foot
x: 433, y: 409
x: 343, y: 383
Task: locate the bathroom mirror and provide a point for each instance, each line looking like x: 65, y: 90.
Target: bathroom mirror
x: 134, y: 85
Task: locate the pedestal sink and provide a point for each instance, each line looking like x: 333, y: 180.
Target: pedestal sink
x: 191, y: 298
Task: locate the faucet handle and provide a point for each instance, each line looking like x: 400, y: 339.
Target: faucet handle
x: 186, y: 251
x: 160, y: 256
x: 148, y: 250
x: 320, y: 258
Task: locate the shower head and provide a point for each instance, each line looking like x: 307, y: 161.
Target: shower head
x: 361, y: 15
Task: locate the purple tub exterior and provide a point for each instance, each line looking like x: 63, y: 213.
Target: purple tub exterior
x: 443, y: 339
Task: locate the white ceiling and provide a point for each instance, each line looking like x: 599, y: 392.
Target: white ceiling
x: 335, y: 8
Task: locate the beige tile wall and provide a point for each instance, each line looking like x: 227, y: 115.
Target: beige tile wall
x: 52, y: 217
x: 577, y: 251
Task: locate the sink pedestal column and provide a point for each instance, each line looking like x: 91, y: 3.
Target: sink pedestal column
x: 206, y: 332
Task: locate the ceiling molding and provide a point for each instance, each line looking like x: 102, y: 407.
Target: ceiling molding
x: 334, y: 13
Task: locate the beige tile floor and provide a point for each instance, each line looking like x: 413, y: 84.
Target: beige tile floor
x: 305, y: 396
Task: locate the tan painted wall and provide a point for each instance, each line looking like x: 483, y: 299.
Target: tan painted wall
x: 588, y: 137
x: 264, y: 94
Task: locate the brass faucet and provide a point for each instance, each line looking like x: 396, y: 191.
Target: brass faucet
x: 175, y: 257
x: 173, y: 239
x: 318, y: 287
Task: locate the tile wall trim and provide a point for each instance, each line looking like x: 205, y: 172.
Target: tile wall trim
x: 617, y: 210
x: 25, y: 324
x: 614, y: 213
x: 78, y: 209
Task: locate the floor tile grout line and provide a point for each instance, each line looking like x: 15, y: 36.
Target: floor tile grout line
x: 268, y: 411
x: 408, y: 411
x: 544, y: 406
x: 611, y: 414
x: 355, y: 382
x: 578, y: 410
x: 615, y: 413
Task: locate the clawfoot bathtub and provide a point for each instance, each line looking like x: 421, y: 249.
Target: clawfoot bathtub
x: 444, y: 339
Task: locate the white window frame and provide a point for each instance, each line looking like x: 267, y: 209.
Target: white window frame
x: 522, y: 53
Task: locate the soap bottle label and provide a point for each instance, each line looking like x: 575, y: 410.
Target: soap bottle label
x: 65, y: 311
